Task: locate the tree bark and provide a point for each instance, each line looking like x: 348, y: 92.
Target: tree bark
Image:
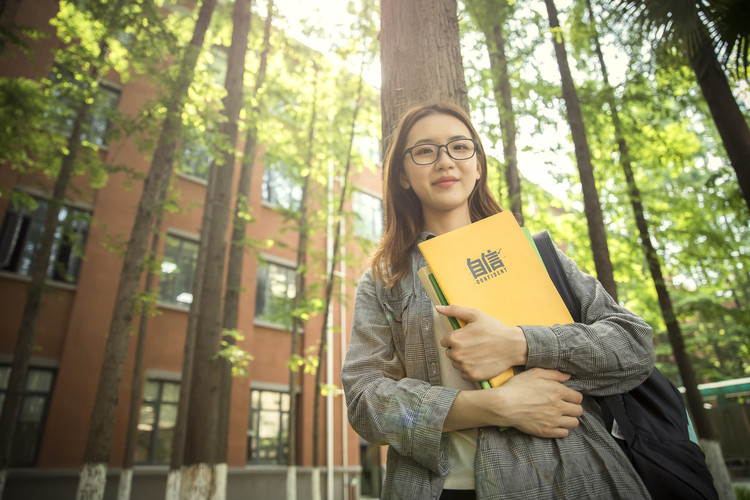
x: 237, y: 249
x: 11, y: 407
x: 128, y: 459
x: 298, y: 326
x: 491, y: 19
x: 592, y: 207
x: 96, y: 455
x: 203, y: 411
x: 731, y: 124
x: 420, y: 55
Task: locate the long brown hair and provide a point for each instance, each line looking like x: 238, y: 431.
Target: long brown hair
x: 403, y: 219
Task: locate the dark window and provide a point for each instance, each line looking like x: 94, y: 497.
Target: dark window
x: 30, y: 424
x: 196, y: 155
x: 157, y: 422
x: 280, y: 188
x: 21, y: 233
x: 368, y: 221
x: 178, y: 270
x: 68, y: 93
x: 275, y: 291
x: 267, y: 439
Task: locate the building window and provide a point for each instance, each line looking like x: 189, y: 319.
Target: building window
x: 368, y: 147
x: 368, y: 218
x: 67, y: 93
x: 267, y: 429
x: 178, y: 270
x: 280, y: 189
x: 196, y: 158
x: 22, y: 231
x: 33, y: 414
x: 275, y: 293
x: 157, y: 422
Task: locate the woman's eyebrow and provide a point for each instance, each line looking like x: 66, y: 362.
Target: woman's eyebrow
x: 432, y: 141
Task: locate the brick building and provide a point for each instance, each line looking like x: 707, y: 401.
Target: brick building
x: 70, y: 337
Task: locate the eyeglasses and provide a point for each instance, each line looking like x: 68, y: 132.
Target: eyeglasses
x: 427, y: 154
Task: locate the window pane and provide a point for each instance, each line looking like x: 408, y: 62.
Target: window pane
x: 4, y: 376
x: 280, y: 188
x: 167, y: 419
x: 22, y: 230
x: 39, y: 380
x: 178, y: 270
x: 276, y: 288
x: 170, y: 392
x: 30, y: 423
x: 368, y: 221
x: 145, y: 433
x: 267, y: 432
x: 151, y: 391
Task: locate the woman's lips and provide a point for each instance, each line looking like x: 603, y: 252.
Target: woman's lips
x: 445, y: 182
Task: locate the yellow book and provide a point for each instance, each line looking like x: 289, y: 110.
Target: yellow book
x: 490, y: 265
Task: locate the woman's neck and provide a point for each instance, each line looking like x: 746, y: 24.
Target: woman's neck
x: 443, y: 222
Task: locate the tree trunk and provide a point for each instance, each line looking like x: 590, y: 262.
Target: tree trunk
x: 731, y: 124
x: 96, y: 455
x: 237, y: 249
x: 491, y: 19
x: 126, y: 473
x: 592, y: 207
x: 339, y: 214
x: 11, y: 407
x: 203, y: 410
x: 298, y: 326
x: 420, y: 55
x: 703, y: 424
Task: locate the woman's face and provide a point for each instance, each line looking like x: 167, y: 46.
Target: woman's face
x: 443, y: 187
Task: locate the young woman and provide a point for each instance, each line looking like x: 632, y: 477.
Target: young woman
x: 409, y: 384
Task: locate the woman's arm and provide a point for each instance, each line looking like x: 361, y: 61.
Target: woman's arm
x: 608, y: 352
x: 534, y: 401
x: 384, y: 405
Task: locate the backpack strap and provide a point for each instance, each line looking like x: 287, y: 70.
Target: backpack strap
x: 551, y: 260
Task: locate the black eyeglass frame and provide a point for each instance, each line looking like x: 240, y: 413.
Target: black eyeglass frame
x: 409, y: 150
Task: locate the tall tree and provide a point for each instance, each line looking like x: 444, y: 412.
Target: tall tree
x: 420, y: 57
x: 128, y: 459
x: 333, y: 261
x: 238, y: 246
x: 592, y: 206
x: 201, y: 477
x: 97, y: 66
x: 96, y: 455
x: 298, y: 324
x: 690, y: 26
x: 704, y: 428
x: 492, y: 19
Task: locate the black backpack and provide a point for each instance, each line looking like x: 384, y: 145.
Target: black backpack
x: 652, y: 417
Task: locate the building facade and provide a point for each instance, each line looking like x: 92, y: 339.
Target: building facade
x: 79, y: 297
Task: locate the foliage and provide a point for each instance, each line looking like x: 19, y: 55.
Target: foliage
x: 237, y: 358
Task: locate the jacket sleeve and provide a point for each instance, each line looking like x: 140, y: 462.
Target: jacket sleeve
x: 386, y: 407
x: 610, y: 351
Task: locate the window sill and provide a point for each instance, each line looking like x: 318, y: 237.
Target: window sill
x: 271, y: 325
x: 192, y: 178
x: 172, y: 307
x: 72, y: 287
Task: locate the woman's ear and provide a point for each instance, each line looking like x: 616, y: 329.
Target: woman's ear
x: 404, y: 182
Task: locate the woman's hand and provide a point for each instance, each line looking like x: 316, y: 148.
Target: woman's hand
x: 485, y: 346
x: 535, y: 402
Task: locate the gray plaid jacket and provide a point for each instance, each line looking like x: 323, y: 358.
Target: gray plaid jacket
x: 391, y: 379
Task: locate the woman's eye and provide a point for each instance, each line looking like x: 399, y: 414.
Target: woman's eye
x: 424, y: 150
